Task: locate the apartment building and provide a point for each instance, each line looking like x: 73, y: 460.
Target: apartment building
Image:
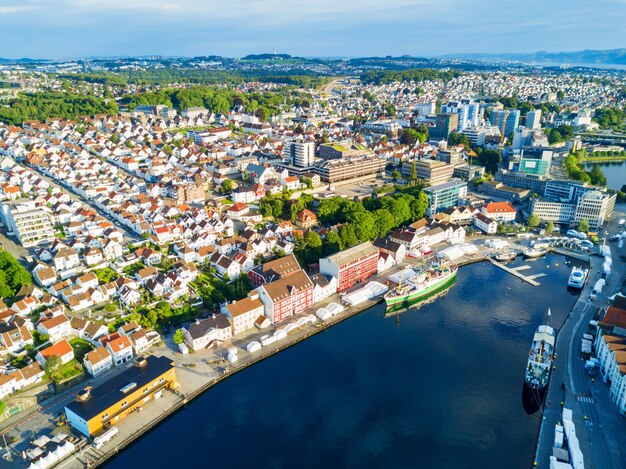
x: 30, y: 223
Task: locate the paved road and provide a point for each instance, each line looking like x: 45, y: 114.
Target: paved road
x: 602, y: 434
x: 41, y: 419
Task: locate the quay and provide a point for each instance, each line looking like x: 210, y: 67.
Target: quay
x: 516, y: 271
x: 92, y: 457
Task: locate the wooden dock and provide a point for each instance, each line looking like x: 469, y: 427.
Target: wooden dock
x: 526, y: 278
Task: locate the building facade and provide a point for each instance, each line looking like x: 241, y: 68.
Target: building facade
x: 447, y: 194
x: 352, y: 265
x: 99, y: 408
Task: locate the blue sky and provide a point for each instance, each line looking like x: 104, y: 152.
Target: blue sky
x: 76, y: 28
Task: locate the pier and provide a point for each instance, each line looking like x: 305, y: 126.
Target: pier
x: 516, y: 271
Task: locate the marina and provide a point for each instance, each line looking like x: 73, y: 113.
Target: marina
x: 516, y: 272
x: 346, y: 363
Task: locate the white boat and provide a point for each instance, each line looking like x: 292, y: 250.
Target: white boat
x: 506, y: 256
x: 534, y: 252
x: 578, y: 277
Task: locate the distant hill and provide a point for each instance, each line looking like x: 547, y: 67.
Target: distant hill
x: 267, y: 57
x: 600, y: 57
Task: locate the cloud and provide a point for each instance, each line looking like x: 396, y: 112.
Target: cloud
x: 9, y: 9
x: 61, y: 28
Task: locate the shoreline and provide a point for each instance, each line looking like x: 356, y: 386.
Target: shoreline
x: 186, y: 399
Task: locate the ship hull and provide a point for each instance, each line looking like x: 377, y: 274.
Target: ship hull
x: 415, y: 296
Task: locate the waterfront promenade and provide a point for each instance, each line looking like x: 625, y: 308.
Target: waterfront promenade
x: 200, y: 371
x: 599, y: 428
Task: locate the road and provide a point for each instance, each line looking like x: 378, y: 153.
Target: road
x: 129, y: 236
x: 599, y: 428
x: 41, y: 419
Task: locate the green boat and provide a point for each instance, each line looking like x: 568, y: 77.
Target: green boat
x: 421, y: 285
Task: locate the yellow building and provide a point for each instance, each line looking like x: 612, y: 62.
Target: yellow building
x: 97, y: 409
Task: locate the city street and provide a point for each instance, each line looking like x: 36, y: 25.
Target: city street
x: 599, y: 428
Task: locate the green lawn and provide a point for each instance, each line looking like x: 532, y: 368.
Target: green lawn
x: 67, y: 371
x: 81, y: 347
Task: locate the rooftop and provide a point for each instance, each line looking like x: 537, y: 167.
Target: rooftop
x: 110, y: 392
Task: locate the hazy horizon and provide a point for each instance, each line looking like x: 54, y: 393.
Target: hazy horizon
x: 58, y: 29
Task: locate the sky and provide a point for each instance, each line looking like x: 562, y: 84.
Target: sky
x: 321, y: 28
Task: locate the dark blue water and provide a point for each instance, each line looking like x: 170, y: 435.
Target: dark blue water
x: 439, y: 387
x: 615, y: 173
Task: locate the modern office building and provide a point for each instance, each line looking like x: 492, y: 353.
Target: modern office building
x: 467, y: 172
x: 502, y: 191
x: 337, y: 150
x: 300, y: 154
x: 446, y: 124
x: 536, y: 184
x: 467, y: 110
x: 349, y: 168
x: 425, y: 108
x: 430, y: 171
x: 444, y: 195
x: 27, y: 221
x: 97, y: 409
x: 536, y: 161
x: 594, y: 206
x: 452, y: 157
x: 507, y: 120
x: 533, y: 119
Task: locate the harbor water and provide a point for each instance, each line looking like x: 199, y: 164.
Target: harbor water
x: 615, y: 173
x: 438, y: 387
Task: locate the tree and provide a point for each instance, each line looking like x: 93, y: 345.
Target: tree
x: 419, y: 206
x: 385, y: 222
x: 413, y: 173
x: 52, y: 365
x: 583, y: 225
x: 395, y: 175
x: 533, y: 221
x: 313, y: 240
x: 490, y: 159
x: 597, y: 176
x: 115, y: 138
x: 456, y: 138
x: 179, y: 337
x: 549, y: 227
x: 348, y: 236
x: 227, y: 186
x: 409, y: 137
x: 364, y: 224
x: 332, y: 243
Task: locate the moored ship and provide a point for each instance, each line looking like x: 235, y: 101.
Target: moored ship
x: 506, y: 256
x: 540, y: 357
x: 533, y: 253
x: 578, y: 277
x: 421, y: 283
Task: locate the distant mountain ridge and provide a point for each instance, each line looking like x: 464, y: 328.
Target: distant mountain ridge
x: 587, y: 56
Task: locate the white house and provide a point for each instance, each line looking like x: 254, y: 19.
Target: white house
x: 98, y: 361
x: 323, y: 286
x: 207, y: 332
x: 244, y: 312
x: 121, y: 350
x: 485, y: 224
x: 56, y: 328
